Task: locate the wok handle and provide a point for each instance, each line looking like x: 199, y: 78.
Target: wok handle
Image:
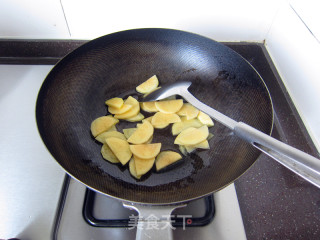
x: 154, y: 221
x: 299, y: 162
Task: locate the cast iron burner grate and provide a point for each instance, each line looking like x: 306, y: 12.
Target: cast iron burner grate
x: 88, y: 215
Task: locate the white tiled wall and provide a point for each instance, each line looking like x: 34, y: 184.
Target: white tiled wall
x: 226, y: 20
x: 295, y: 50
x: 32, y: 19
x: 229, y: 20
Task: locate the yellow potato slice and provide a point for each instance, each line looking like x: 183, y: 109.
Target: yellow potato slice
x: 161, y: 119
x: 189, y: 111
x: 205, y: 119
x: 146, y: 151
x: 103, y: 136
x: 161, y: 126
x: 184, y: 124
x: 166, y: 158
x: 107, y: 154
x: 132, y: 112
x: 136, y: 118
x: 132, y: 169
x: 149, y: 119
x: 128, y: 132
x: 169, y: 106
x: 191, y: 136
x: 150, y: 92
x: 143, y: 165
x: 209, y: 136
x: 189, y: 149
x: 142, y: 134
x: 149, y: 85
x: 149, y: 107
x: 120, y: 149
x: 202, y: 145
x: 149, y: 140
x: 125, y: 108
x: 113, y: 128
x: 102, y: 124
x: 183, y: 150
x: 115, y: 102
x: 185, y: 133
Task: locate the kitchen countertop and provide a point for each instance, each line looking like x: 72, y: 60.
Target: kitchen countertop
x: 275, y: 203
x: 30, y: 179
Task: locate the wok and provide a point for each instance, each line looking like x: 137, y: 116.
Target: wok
x: 74, y: 92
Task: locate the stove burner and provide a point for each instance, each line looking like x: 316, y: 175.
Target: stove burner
x: 88, y: 209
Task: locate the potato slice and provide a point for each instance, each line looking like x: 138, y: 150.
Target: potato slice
x: 210, y: 136
x: 107, y: 154
x: 149, y: 119
x: 183, y: 150
x: 113, y: 128
x: 143, y: 165
x: 136, y: 118
x: 202, y: 145
x: 132, y: 112
x: 146, y: 151
x: 166, y: 158
x: 149, y: 85
x: 103, y: 136
x: 128, y: 132
x: 151, y: 92
x: 120, y: 149
x: 164, y: 118
x: 102, y: 124
x: 192, y: 135
x: 125, y: 108
x: 169, y: 106
x: 149, y: 107
x: 115, y: 102
x: 161, y: 126
x: 149, y: 140
x: 189, y: 111
x: 132, y: 169
x: 205, y: 119
x: 184, y: 124
x: 142, y: 134
x: 189, y: 149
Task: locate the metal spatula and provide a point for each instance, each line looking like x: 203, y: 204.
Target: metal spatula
x: 299, y: 162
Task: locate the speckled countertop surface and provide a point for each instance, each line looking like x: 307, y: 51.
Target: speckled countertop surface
x: 274, y: 202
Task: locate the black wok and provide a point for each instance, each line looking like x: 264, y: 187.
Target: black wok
x: 74, y: 92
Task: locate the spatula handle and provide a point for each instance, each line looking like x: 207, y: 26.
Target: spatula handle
x: 299, y: 162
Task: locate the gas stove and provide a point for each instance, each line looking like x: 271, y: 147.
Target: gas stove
x: 83, y: 214
x: 40, y: 202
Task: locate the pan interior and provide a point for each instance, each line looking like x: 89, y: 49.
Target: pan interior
x: 74, y: 92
